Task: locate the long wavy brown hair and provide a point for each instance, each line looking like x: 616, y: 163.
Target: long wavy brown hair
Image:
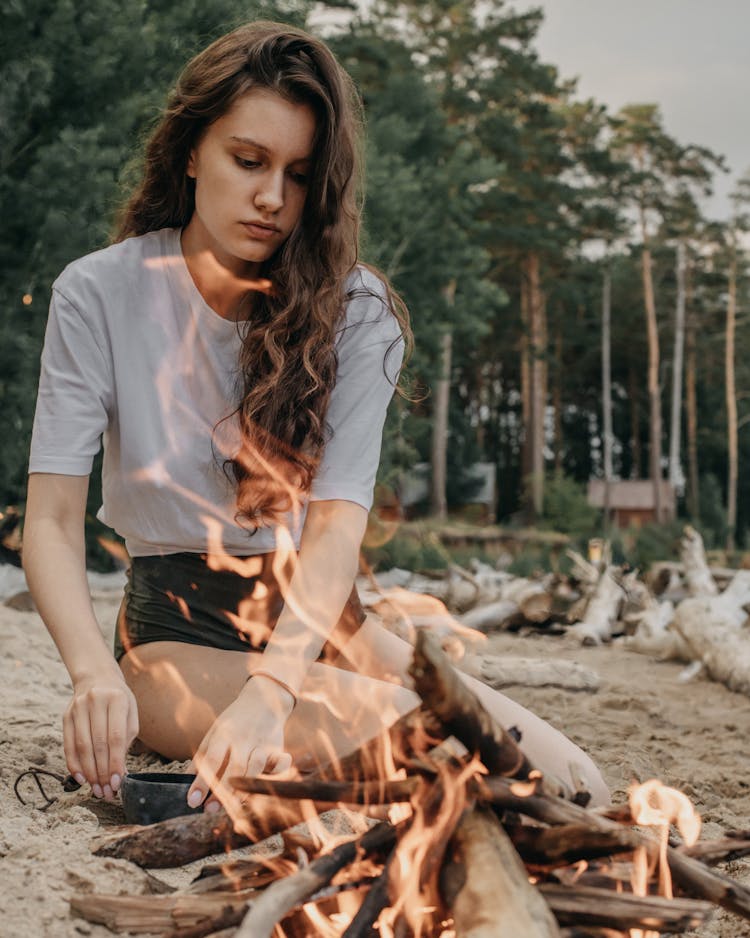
x: 288, y: 359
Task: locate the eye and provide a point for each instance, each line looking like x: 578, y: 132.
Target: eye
x: 300, y: 178
x: 246, y: 164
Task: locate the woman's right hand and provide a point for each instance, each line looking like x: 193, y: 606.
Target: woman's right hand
x: 99, y: 724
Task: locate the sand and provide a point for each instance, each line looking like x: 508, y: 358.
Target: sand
x: 641, y: 723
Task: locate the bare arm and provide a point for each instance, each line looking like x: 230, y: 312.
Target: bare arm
x: 248, y: 737
x: 102, y: 718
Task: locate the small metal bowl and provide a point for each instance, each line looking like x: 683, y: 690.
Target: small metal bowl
x: 148, y: 797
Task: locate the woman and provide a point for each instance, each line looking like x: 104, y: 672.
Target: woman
x: 238, y: 364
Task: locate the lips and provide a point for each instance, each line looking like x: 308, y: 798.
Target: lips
x: 259, y: 230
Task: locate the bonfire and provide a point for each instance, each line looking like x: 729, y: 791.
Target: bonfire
x: 450, y: 831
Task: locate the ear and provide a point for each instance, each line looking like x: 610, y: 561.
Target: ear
x: 190, y: 171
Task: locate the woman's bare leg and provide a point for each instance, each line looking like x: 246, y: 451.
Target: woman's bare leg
x: 181, y: 689
x: 377, y: 651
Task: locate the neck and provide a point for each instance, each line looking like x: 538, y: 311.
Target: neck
x: 224, y: 288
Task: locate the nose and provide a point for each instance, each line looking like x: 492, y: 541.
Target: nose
x: 270, y: 194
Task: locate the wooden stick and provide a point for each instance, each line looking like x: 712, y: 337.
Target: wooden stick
x: 567, y: 843
x: 174, y: 842
x: 285, y: 894
x: 328, y: 792
x: 373, y: 904
x: 589, y: 906
x: 486, y: 886
x: 719, y: 851
x: 162, y: 915
x: 460, y: 711
x: 183, y: 839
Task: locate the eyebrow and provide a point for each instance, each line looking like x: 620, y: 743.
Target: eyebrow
x: 248, y: 141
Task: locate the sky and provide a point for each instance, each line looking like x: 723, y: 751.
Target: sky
x: 691, y: 57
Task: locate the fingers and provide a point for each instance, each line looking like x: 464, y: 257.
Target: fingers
x: 98, y: 726
x: 210, y: 760
x: 99, y: 739
x: 117, y: 735
x: 215, y: 785
x: 72, y: 759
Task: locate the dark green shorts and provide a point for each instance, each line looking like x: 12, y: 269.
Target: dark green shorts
x: 179, y: 598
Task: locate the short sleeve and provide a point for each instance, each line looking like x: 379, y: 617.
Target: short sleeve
x: 74, y: 397
x: 370, y: 353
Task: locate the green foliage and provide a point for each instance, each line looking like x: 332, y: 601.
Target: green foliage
x: 566, y: 509
x: 641, y: 546
x: 408, y: 549
x: 713, y: 515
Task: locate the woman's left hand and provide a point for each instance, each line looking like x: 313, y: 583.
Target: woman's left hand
x: 246, y: 739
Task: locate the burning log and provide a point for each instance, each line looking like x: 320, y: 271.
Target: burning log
x: 461, y: 713
x: 486, y: 886
x: 372, y: 905
x: 190, y: 837
x: 286, y: 894
x: 589, y: 906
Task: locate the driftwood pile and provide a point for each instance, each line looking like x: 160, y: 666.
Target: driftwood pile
x: 485, y: 846
x: 685, y: 611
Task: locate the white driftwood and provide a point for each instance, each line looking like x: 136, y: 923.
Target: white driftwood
x: 602, y: 611
x: 504, y: 671
x: 455, y: 591
x: 498, y: 615
x: 648, y: 622
x: 723, y: 648
x: 533, y: 598
x: 404, y: 613
x: 653, y: 633
x: 735, y: 599
x: 583, y: 570
x: 387, y: 579
x: 697, y: 575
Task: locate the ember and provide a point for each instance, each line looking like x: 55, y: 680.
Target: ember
x: 483, y: 844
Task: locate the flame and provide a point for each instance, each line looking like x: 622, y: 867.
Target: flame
x: 115, y: 549
x: 654, y: 804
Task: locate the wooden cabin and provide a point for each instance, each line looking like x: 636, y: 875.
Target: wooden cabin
x: 632, y: 502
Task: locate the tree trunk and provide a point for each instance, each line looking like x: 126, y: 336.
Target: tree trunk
x: 538, y: 379
x: 691, y: 408
x: 438, y: 500
x: 653, y: 379
x: 557, y: 400
x: 607, y: 387
x: 525, y: 379
x: 676, y: 476
x: 636, y: 468
x: 731, y: 396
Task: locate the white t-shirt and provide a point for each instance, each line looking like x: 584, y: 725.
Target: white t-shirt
x: 134, y: 354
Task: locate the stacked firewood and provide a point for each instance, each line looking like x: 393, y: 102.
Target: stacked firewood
x: 493, y: 848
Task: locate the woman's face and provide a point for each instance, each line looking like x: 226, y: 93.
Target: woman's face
x: 250, y: 169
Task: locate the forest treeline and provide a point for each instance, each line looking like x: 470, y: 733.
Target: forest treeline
x: 533, y: 234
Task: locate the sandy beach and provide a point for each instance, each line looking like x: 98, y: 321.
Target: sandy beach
x: 643, y: 722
